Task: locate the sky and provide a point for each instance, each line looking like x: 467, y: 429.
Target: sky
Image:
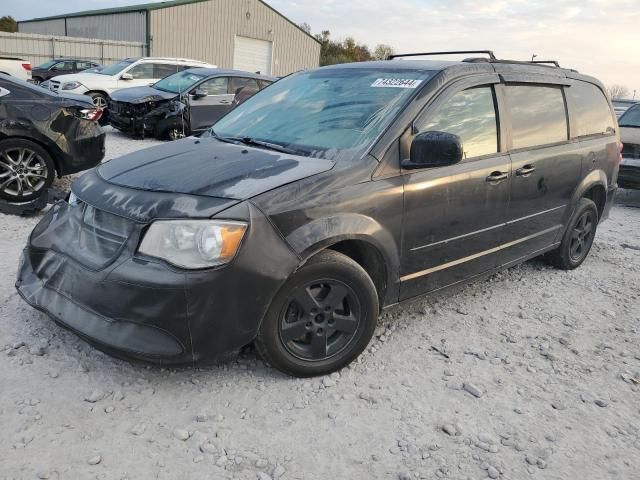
x: 596, y: 37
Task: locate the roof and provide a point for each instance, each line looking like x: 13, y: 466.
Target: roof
x: 228, y: 71
x: 146, y: 7
x: 225, y: 71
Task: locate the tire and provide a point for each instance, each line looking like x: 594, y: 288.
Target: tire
x: 322, y: 319
x: 36, y: 80
x: 174, y: 130
x: 26, y: 170
x: 578, y: 238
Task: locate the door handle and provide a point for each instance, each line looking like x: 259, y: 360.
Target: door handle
x: 497, y: 177
x: 525, y: 171
x: 225, y: 102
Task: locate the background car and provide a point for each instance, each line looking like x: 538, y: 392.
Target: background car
x: 60, y: 66
x: 55, y: 134
x: 15, y: 67
x: 629, y: 122
x: 131, y: 72
x: 621, y: 105
x: 183, y: 103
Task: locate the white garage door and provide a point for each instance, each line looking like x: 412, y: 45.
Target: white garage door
x: 252, y: 55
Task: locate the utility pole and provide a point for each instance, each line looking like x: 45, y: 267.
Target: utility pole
x: 533, y: 57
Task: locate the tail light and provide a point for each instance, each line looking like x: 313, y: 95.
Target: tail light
x: 26, y: 66
x: 92, y: 114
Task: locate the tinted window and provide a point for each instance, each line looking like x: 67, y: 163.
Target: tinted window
x: 592, y: 113
x: 538, y: 115
x: 215, y: 86
x: 239, y: 83
x: 64, y: 66
x: 470, y: 114
x: 142, y: 70
x: 264, y: 83
x: 631, y: 117
x: 161, y: 70
x: 84, y: 65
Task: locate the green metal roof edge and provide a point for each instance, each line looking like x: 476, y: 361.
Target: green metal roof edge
x: 142, y: 7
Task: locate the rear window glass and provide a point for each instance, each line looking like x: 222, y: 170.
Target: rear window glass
x: 538, y: 115
x: 591, y: 109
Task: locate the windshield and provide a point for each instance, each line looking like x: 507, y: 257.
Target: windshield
x: 48, y: 64
x: 178, y: 82
x: 115, y: 68
x: 325, y: 112
x: 631, y: 117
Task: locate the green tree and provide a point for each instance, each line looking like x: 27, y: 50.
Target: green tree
x: 333, y: 52
x: 8, y: 24
x: 383, y: 52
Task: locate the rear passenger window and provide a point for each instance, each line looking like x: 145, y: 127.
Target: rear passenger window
x: 239, y: 83
x: 591, y: 110
x: 161, y: 70
x: 470, y: 114
x: 538, y: 115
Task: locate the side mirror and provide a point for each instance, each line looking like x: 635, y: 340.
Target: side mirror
x: 198, y: 93
x: 126, y: 76
x: 434, y: 149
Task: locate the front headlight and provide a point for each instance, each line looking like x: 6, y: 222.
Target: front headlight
x: 193, y: 244
x: 71, y: 85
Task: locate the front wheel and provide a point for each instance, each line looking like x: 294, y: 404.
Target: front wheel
x: 322, y: 318
x: 578, y: 238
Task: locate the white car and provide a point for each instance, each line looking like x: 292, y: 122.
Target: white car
x: 131, y: 72
x: 16, y: 67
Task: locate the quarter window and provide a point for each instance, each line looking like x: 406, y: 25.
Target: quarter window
x: 215, y: 86
x: 470, y: 114
x: 538, y: 115
x: 591, y: 109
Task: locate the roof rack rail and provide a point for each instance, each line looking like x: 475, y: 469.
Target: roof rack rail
x: 458, y: 52
x: 544, y: 62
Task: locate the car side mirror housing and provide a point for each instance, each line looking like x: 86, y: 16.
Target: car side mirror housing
x: 434, y: 149
x: 126, y: 76
x: 198, y: 93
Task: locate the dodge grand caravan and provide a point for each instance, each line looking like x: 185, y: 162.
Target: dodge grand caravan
x: 323, y: 199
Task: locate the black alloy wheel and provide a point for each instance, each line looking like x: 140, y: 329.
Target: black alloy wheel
x: 578, y: 237
x: 321, y: 319
x: 26, y: 170
x: 582, y: 236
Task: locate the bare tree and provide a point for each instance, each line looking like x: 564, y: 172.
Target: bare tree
x: 618, y: 91
x: 305, y: 26
x: 382, y: 52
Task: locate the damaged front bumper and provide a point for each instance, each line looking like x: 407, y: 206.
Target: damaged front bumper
x: 87, y: 276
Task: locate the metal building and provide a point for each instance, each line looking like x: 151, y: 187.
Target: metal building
x: 242, y: 34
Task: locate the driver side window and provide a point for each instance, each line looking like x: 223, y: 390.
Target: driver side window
x: 470, y: 114
x: 141, y: 71
x: 215, y: 86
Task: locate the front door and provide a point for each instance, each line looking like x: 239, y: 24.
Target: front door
x: 454, y: 216
x: 206, y: 110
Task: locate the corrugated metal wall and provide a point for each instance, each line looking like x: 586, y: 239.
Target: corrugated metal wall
x: 207, y: 30
x: 127, y: 27
x: 44, y: 27
x: 40, y: 48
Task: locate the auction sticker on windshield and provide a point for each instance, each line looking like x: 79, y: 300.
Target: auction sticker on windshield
x: 396, y: 83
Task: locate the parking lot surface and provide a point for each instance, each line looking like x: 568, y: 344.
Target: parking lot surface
x: 532, y: 373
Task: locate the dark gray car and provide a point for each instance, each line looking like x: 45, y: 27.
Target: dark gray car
x: 184, y: 103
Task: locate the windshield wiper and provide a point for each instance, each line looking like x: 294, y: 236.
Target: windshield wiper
x: 255, y: 143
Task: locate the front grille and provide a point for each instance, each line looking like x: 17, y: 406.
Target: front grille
x: 631, y: 151
x: 88, y: 235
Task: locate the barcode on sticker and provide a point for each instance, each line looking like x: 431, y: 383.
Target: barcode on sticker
x: 396, y: 83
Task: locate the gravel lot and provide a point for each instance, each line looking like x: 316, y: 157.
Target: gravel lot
x: 533, y: 373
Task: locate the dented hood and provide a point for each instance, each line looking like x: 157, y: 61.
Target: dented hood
x: 141, y: 95
x: 209, y: 167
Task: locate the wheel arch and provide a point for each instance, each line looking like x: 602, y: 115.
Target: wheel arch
x: 360, y: 238
x: 594, y: 187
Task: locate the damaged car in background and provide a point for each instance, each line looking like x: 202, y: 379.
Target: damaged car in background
x: 182, y: 104
x: 323, y: 199
x: 43, y: 134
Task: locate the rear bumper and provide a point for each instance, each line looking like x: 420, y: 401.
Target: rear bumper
x: 145, y: 309
x: 629, y: 175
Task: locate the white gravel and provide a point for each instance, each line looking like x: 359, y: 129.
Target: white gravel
x: 533, y: 373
